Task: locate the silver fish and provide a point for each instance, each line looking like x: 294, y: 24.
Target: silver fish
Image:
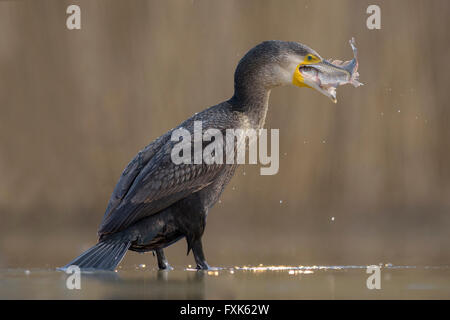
x: 327, y: 75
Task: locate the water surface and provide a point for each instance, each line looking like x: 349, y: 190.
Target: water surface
x: 238, y: 282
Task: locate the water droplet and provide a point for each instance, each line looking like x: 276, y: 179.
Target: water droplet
x: 332, y: 218
x: 281, y: 201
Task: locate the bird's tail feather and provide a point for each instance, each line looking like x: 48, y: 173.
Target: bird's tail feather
x: 105, y: 255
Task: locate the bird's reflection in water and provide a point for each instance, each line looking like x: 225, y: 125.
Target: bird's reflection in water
x: 146, y: 284
x: 102, y: 276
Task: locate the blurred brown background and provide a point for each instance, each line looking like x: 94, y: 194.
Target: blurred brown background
x: 76, y: 106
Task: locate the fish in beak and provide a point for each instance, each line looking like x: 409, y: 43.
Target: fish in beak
x: 325, y: 76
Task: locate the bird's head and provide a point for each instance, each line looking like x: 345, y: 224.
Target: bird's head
x: 276, y: 63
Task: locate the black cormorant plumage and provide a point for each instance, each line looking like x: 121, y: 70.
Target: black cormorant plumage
x: 156, y: 202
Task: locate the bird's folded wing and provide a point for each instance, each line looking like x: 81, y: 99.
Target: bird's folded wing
x: 152, y: 182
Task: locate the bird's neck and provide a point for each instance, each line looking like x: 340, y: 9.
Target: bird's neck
x: 253, y: 102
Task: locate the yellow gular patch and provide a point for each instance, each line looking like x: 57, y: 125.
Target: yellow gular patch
x: 297, y: 78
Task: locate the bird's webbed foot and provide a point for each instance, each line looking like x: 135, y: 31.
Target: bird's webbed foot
x: 199, y: 256
x: 163, y: 264
x: 203, y: 266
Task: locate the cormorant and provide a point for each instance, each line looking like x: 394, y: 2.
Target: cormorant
x: 156, y: 202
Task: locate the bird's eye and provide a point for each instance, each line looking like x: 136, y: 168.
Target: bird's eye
x: 310, y: 57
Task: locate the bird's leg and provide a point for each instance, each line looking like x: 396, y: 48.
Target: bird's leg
x: 163, y: 264
x: 199, y: 256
